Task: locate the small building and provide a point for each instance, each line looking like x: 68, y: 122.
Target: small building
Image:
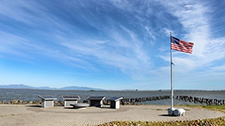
x: 47, y: 101
x: 70, y: 99
x: 115, y: 102
x: 96, y: 101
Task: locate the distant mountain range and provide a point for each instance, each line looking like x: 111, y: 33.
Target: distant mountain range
x: 22, y: 86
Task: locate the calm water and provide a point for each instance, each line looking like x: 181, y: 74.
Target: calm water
x: 29, y: 94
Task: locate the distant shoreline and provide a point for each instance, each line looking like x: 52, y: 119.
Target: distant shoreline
x: 80, y: 88
x: 108, y: 90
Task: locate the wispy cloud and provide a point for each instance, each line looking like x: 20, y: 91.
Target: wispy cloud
x: 124, y: 35
x: 13, y: 44
x: 194, y: 18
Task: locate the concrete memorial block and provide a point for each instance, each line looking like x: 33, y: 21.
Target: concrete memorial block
x: 47, y: 101
x: 115, y: 102
x: 70, y: 99
x: 96, y: 100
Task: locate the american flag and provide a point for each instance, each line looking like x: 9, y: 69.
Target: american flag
x: 182, y: 46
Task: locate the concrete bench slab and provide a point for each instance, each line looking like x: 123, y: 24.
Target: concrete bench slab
x: 79, y: 105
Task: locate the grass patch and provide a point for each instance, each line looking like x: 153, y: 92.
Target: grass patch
x: 13, y: 114
x: 210, y: 107
x: 215, y: 107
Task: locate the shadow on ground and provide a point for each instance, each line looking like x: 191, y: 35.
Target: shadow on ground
x: 33, y: 106
x: 167, y: 115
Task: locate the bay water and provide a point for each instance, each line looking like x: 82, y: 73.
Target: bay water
x: 32, y: 94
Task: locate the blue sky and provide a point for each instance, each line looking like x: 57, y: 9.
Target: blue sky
x: 112, y: 44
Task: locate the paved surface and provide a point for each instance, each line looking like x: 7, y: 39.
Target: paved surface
x: 35, y: 115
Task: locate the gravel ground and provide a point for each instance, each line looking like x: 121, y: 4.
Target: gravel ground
x: 27, y: 115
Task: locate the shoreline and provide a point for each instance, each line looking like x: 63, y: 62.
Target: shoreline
x: 133, y: 101
x: 105, y: 90
x: 13, y: 114
x: 139, y: 97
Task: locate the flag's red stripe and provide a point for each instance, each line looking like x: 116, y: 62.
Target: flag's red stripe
x: 183, y: 46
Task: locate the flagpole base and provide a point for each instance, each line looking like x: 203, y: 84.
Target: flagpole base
x: 176, y: 111
x: 179, y: 112
x: 171, y: 111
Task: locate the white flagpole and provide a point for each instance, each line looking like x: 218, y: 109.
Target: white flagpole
x: 172, y: 110
x: 171, y: 70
